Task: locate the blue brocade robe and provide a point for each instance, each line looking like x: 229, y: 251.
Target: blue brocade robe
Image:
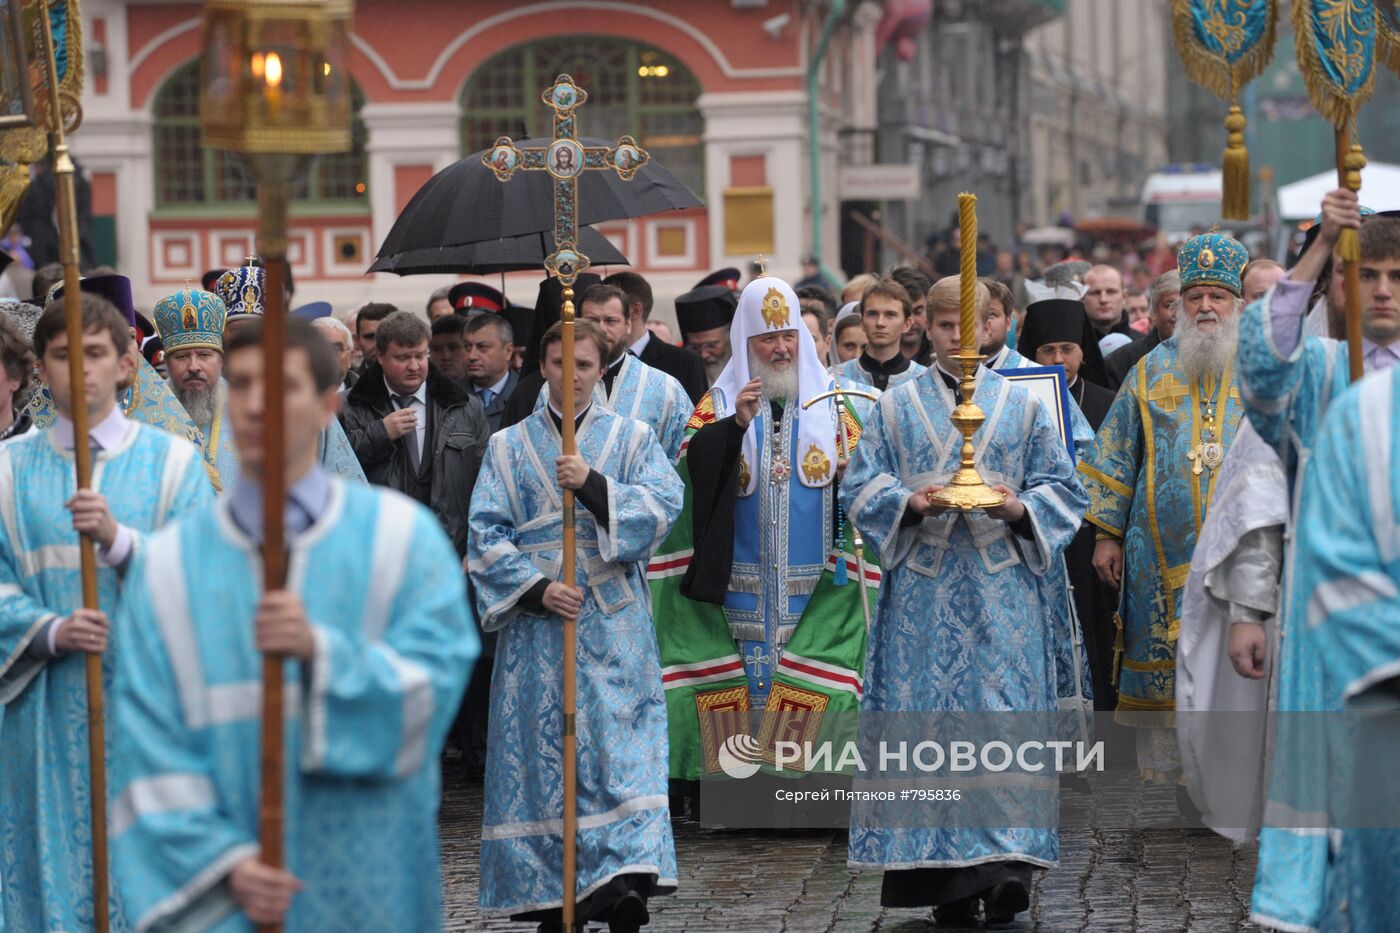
x: 851, y: 374
x: 45, y: 830
x: 366, y: 718
x: 516, y: 530
x: 646, y: 394
x: 1143, y: 490
x: 962, y: 622
x: 1287, y: 398
x: 1317, y: 869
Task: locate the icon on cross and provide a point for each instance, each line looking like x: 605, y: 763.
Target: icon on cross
x: 565, y: 159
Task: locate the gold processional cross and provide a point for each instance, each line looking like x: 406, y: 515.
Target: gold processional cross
x: 565, y: 158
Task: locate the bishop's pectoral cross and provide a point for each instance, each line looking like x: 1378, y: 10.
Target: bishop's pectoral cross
x: 565, y: 159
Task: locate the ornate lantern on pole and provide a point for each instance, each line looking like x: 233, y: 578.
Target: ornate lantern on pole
x: 275, y: 90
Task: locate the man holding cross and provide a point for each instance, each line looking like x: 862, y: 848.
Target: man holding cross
x: 1150, y: 476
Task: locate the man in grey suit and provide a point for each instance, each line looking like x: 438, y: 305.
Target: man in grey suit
x: 490, y: 344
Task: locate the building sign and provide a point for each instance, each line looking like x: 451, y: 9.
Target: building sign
x: 880, y: 182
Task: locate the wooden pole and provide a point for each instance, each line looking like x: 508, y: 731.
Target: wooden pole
x: 1350, y: 161
x: 274, y: 191
x: 63, y: 171
x: 570, y: 698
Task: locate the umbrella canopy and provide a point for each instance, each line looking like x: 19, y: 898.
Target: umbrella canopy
x: 1120, y: 230
x: 511, y: 254
x: 1048, y: 236
x: 466, y: 203
x: 1380, y: 189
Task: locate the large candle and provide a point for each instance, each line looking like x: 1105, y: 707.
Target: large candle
x: 967, y: 231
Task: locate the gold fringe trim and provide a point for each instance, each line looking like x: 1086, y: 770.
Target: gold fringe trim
x: 1387, y: 43
x: 1336, y: 108
x: 1212, y: 71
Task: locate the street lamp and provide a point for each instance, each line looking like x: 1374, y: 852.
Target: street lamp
x: 275, y: 90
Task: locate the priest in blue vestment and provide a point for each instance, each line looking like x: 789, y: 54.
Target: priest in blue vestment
x: 379, y: 641
x: 628, y: 386
x: 886, y: 317
x: 1150, y: 475
x: 142, y: 478
x: 191, y: 324
x: 1325, y: 864
x: 143, y: 395
x: 963, y: 623
x: 1289, y: 380
x: 628, y: 495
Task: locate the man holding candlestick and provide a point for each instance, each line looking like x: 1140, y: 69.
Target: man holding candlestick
x: 962, y: 624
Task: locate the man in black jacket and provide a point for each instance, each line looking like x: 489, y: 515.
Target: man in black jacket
x: 685, y: 366
x: 413, y: 429
x: 1162, y: 308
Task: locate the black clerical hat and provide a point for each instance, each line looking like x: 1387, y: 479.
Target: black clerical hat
x: 115, y: 288
x: 548, y: 307
x: 1062, y: 320
x: 705, y: 308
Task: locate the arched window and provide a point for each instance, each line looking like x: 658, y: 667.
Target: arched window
x: 188, y: 174
x: 633, y: 89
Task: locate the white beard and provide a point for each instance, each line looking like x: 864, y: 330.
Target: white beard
x: 1206, y: 354
x: 778, y: 384
x: 713, y: 368
x: 201, y: 404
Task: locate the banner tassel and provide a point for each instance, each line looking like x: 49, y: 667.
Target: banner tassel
x: 1234, y: 202
x: 1349, y: 244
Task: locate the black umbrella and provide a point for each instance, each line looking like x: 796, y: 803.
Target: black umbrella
x: 512, y: 254
x: 467, y: 203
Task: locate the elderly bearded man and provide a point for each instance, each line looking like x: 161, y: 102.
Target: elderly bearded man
x: 752, y: 605
x: 1151, y: 473
x: 191, y: 323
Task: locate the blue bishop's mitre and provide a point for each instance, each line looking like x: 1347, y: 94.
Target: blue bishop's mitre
x: 1212, y: 259
x: 242, y: 290
x: 190, y: 318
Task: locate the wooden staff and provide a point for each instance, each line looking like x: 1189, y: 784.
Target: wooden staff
x: 63, y: 171
x: 273, y: 195
x: 569, y: 447
x: 1350, y: 162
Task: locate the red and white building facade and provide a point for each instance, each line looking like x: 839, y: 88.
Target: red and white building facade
x: 716, y: 90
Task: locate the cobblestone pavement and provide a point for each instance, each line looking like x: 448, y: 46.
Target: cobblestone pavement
x: 1131, y: 879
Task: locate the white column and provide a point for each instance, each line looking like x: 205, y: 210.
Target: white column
x: 114, y: 138
x: 405, y: 134
x: 768, y: 123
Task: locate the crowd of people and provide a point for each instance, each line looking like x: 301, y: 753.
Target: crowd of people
x: 759, y: 530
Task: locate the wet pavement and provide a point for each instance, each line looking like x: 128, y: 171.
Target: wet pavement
x: 1136, y: 878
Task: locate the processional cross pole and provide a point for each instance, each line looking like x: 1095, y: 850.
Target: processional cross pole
x: 67, y: 215
x: 566, y: 159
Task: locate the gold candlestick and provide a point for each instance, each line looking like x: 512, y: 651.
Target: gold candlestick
x: 967, y: 491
